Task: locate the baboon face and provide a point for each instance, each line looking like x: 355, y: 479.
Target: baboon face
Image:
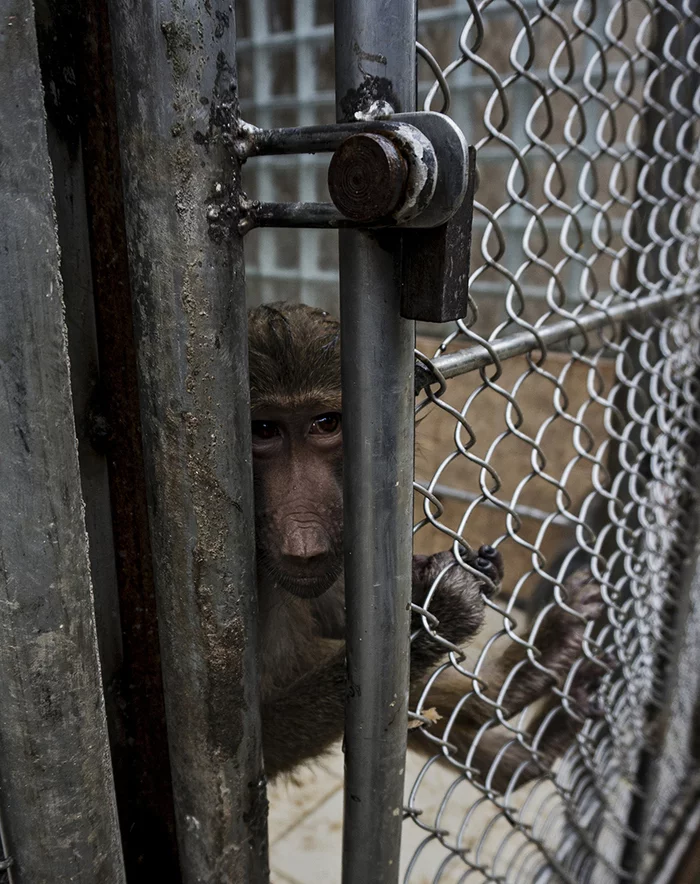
x: 297, y: 446
x: 297, y: 460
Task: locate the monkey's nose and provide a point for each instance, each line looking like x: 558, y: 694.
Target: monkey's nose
x: 304, y: 546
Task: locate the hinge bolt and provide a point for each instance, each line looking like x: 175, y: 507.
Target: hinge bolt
x: 367, y: 178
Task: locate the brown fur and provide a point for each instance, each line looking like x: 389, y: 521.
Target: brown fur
x: 295, y: 377
x: 294, y: 357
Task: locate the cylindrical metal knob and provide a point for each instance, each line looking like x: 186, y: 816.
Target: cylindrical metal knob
x: 367, y: 177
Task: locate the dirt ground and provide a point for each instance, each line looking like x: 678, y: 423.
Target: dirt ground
x: 521, y: 413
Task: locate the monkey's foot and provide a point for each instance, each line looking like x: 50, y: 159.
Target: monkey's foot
x: 560, y: 638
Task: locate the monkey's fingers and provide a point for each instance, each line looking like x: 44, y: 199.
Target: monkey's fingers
x: 490, y: 561
x: 494, y: 556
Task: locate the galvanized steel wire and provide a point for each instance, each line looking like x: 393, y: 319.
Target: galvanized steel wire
x: 588, y: 220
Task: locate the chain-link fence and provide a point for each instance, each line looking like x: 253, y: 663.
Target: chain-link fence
x: 557, y: 421
x: 590, y: 210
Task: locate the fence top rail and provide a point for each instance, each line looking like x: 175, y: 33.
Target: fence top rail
x: 477, y: 356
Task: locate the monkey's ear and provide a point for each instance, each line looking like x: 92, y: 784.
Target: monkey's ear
x: 332, y: 342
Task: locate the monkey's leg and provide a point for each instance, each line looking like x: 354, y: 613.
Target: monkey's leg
x: 497, y: 760
x: 560, y: 642
x: 496, y: 754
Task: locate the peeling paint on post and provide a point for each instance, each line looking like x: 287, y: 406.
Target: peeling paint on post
x: 56, y: 789
x: 177, y: 102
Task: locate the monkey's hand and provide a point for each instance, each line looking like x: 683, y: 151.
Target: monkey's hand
x: 564, y: 681
x: 448, y: 602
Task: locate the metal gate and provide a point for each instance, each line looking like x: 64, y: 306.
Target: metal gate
x: 114, y: 149
x: 564, y: 408
x: 557, y: 421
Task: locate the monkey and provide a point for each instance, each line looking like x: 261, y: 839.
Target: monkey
x: 296, y: 423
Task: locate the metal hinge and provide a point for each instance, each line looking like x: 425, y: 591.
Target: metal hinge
x: 411, y: 175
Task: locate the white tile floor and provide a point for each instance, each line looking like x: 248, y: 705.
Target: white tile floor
x: 306, y: 815
x: 306, y: 827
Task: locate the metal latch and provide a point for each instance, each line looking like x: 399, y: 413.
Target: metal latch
x: 411, y: 175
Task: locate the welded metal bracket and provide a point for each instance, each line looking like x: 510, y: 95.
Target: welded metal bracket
x: 411, y: 175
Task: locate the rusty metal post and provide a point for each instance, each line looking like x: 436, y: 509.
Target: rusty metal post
x: 56, y: 790
x: 177, y: 100
x: 76, y: 66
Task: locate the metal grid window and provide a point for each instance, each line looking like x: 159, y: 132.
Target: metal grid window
x: 285, y: 57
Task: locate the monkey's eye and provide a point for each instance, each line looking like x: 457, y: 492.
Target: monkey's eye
x: 325, y: 423
x: 265, y: 429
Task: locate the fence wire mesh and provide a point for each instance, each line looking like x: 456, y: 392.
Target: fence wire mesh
x: 6, y: 860
x: 561, y: 423
x: 586, y: 126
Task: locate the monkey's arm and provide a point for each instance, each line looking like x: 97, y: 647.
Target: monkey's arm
x: 559, y: 641
x: 304, y: 717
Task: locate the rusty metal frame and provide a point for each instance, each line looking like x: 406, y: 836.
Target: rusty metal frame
x: 177, y: 101
x: 57, y: 800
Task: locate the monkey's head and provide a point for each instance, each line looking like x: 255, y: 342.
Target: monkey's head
x: 297, y: 446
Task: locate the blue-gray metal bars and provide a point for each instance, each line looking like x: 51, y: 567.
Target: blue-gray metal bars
x: 59, y: 819
x: 177, y: 102
x: 375, y: 73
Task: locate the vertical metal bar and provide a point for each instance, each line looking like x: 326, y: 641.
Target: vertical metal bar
x: 375, y: 59
x: 139, y: 740
x: 177, y: 101
x: 56, y: 789
x: 57, y: 36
